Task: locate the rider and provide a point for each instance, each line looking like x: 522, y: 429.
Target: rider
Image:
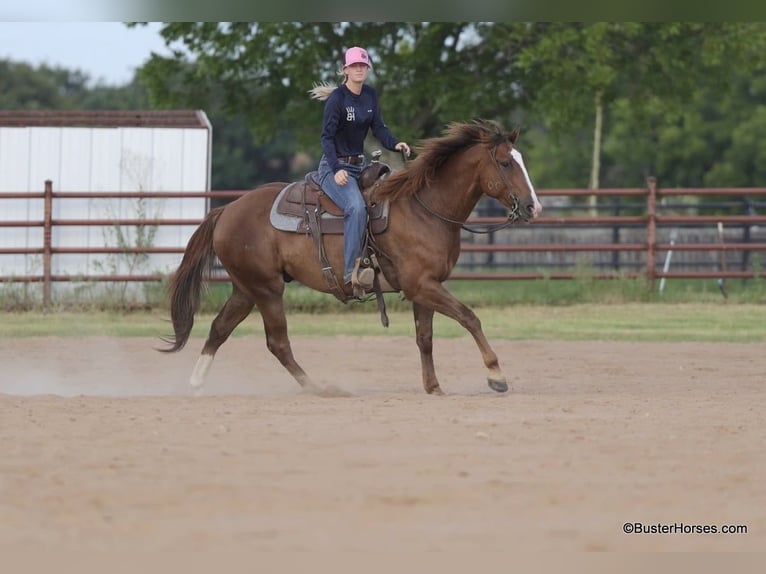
x: 350, y: 111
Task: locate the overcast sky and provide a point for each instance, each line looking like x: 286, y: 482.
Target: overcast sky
x: 109, y: 52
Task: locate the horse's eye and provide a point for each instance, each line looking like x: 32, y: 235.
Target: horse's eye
x: 505, y: 163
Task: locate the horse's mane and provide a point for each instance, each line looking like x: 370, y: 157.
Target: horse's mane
x: 433, y: 153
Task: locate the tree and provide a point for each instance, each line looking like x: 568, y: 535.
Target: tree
x: 25, y: 87
x: 714, y: 141
x: 572, y: 86
x: 575, y: 71
x: 427, y: 74
x: 44, y: 88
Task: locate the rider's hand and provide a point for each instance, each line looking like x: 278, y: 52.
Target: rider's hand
x: 402, y: 146
x: 341, y: 177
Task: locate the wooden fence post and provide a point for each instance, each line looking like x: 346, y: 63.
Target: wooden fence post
x: 651, y: 230
x: 47, y: 241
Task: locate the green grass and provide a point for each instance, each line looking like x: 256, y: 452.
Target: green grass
x: 501, y: 293
x: 579, y: 309
x: 477, y: 294
x: 714, y: 321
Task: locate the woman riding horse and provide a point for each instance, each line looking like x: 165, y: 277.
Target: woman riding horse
x: 350, y: 111
x: 430, y: 200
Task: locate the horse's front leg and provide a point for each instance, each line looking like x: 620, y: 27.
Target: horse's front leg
x: 424, y: 321
x: 434, y: 296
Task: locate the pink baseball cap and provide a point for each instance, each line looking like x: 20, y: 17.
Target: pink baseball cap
x: 357, y: 55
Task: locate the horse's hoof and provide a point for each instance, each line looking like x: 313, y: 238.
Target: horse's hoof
x: 498, y: 385
x: 436, y: 391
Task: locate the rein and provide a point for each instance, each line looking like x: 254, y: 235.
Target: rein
x: 513, y: 214
x: 512, y: 218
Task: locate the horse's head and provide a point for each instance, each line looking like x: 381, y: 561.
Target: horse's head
x: 505, y: 178
x: 471, y: 158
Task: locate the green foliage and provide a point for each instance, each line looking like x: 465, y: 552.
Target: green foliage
x: 659, y: 82
x: 427, y: 74
x: 44, y: 88
x: 20, y: 296
x: 683, y: 100
x: 25, y: 87
x: 133, y: 241
x: 667, y: 89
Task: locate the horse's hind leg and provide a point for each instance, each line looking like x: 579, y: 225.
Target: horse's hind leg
x: 234, y: 311
x: 424, y: 331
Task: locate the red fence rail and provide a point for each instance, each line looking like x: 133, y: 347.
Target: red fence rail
x: 650, y: 220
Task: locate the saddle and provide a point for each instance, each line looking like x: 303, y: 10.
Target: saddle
x: 299, y: 202
x: 302, y: 207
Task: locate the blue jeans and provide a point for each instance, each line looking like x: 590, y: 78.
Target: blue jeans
x: 350, y: 200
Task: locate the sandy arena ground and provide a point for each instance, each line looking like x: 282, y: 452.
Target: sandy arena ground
x: 102, y: 446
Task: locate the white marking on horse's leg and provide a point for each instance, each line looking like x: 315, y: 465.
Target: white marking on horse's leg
x: 200, y: 372
x: 496, y: 373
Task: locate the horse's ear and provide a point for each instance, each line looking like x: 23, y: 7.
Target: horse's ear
x: 515, y: 134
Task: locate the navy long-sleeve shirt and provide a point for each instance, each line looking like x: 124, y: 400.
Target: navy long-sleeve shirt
x: 346, y: 121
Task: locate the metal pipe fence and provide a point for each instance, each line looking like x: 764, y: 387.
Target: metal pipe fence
x: 648, y: 208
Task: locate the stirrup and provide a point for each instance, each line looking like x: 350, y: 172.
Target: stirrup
x: 359, y: 293
x: 362, y: 277
x: 365, y: 278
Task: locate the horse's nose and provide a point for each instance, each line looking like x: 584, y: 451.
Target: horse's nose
x: 534, y: 207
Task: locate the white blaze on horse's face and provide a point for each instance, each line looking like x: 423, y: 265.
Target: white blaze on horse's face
x: 536, y: 206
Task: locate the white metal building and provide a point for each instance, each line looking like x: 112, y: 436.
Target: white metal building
x: 101, y: 151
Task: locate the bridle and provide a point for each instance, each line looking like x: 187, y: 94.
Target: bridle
x: 514, y: 213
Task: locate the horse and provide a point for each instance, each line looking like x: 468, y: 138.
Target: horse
x: 430, y: 198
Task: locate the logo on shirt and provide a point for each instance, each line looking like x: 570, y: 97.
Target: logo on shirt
x: 350, y: 116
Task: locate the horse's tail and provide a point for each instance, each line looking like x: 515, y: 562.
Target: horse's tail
x: 186, y: 283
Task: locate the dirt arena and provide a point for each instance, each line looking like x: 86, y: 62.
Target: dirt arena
x: 104, y: 447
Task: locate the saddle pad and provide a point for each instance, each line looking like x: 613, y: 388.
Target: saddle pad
x: 292, y: 218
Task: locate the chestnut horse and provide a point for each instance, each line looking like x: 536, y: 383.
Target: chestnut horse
x: 429, y: 201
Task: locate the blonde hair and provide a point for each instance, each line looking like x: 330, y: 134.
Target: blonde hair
x: 323, y: 90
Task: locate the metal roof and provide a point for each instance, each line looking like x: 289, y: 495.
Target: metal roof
x: 105, y: 118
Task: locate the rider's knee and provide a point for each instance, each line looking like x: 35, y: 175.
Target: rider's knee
x: 356, y: 207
